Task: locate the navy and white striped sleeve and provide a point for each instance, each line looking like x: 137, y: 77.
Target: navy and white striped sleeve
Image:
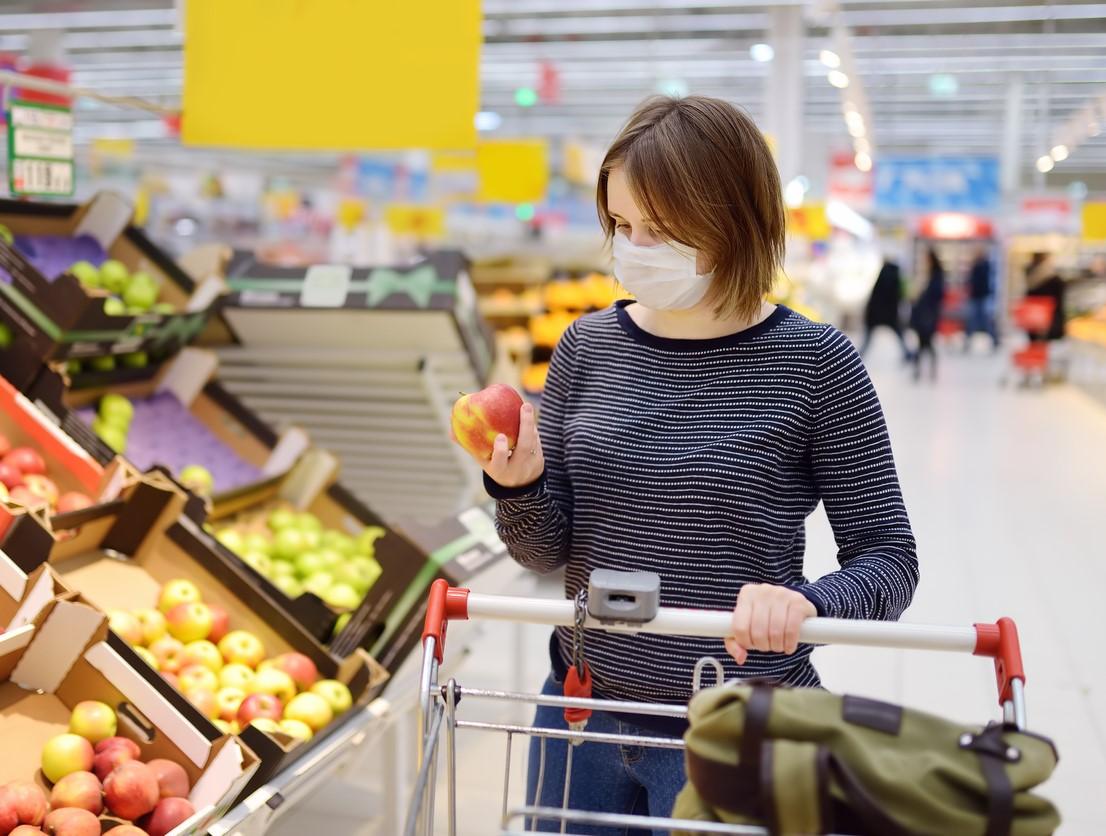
x: 535, y: 521
x: 854, y: 472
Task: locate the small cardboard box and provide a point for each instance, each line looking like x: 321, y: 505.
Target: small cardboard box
x: 125, y: 552
x: 68, y: 655
x: 458, y: 548
x: 184, y: 416
x: 311, y: 486
x: 429, y: 305
x: 54, y: 317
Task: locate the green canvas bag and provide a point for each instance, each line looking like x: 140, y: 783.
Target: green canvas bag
x: 803, y: 761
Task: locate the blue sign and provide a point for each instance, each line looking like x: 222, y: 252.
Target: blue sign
x: 936, y: 184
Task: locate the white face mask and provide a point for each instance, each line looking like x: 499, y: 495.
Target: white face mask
x: 661, y: 277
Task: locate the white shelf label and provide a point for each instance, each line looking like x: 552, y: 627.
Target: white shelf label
x: 42, y: 176
x: 326, y: 286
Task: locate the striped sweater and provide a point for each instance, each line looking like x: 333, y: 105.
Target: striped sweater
x: 700, y: 460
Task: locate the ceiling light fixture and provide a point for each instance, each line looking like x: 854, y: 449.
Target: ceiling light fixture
x: 863, y: 161
x: 762, y: 53
x: 862, y: 146
x: 838, y: 79
x: 1059, y: 153
x: 1045, y: 164
x: 829, y: 58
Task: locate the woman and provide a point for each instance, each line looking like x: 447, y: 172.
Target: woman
x: 691, y: 433
x: 883, y: 306
x: 926, y: 314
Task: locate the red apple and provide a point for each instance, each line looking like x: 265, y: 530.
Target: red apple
x: 204, y: 654
x: 172, y: 780
x: 5, y: 445
x: 178, y: 591
x: 196, y: 677
x: 190, y: 621
x: 25, y: 460
x: 126, y: 626
x: 8, y: 818
x: 93, y: 720
x: 119, y: 743
x: 21, y: 496
x: 302, y: 670
x: 42, y: 487
x: 66, y: 753
x: 111, y: 759
x: 26, y: 800
x: 131, y: 790
x: 259, y: 706
x: 204, y: 700
x: 73, y: 501
x: 220, y: 623
x: 168, y: 813
x: 228, y: 701
x: 169, y: 654
x: 28, y: 830
x: 478, y: 418
x: 70, y: 821
x: 275, y: 682
x: 242, y: 647
x: 10, y: 476
x: 171, y: 678
x: 78, y: 789
x: 153, y: 624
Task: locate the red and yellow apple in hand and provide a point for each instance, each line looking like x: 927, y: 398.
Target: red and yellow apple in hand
x: 500, y: 432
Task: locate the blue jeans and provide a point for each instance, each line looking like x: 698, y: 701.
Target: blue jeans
x: 606, y: 777
x: 980, y: 318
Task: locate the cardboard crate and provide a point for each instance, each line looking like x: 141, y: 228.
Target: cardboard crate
x: 459, y: 548
x: 54, y: 317
x: 311, y: 486
x: 224, y: 436
x: 426, y: 306
x: 125, y: 552
x: 68, y: 655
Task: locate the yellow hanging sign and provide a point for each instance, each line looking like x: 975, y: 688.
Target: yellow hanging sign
x: 331, y: 74
x: 809, y: 221
x: 1094, y: 221
x: 422, y: 222
x: 512, y: 170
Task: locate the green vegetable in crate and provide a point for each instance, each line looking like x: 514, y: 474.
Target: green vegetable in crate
x: 233, y: 540
x: 198, y: 479
x: 87, y: 274
x: 114, y: 275
x: 342, y: 596
x: 319, y: 583
x: 115, y: 307
x: 106, y: 363
x: 366, y: 540
x: 135, y: 360
x: 116, y: 410
x: 282, y: 518
x: 113, y: 436
x: 73, y: 367
x: 289, y: 586
x: 141, y: 292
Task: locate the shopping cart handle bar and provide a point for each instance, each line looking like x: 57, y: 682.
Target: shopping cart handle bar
x: 998, y: 641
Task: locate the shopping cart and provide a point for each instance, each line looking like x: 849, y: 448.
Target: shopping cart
x: 438, y: 704
x: 1033, y: 315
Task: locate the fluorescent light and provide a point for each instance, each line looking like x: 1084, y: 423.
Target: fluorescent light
x: 1045, y: 164
x: 1059, y: 153
x: 488, y: 120
x: 795, y: 191
x: 677, y: 88
x: 762, y: 53
x: 830, y: 58
x: 838, y: 79
x: 855, y: 123
x: 862, y: 146
x: 846, y: 218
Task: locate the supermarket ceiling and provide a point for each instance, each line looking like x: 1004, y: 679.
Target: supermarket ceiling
x: 935, y: 73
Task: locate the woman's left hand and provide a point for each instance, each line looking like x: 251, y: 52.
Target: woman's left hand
x: 767, y: 618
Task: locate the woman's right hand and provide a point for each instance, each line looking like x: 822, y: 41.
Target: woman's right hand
x: 522, y: 466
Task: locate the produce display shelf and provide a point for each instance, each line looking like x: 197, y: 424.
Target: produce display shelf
x: 383, y: 413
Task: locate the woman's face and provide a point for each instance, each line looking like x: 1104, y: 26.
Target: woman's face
x: 627, y: 217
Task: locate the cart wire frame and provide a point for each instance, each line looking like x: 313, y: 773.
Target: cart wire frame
x: 438, y: 703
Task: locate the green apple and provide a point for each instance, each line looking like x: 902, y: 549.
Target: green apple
x: 115, y: 409
x: 255, y: 542
x: 233, y: 540
x: 73, y: 367
x: 6, y: 335
x: 114, y: 275
x: 164, y: 308
x: 106, y: 363
x: 86, y: 273
x: 139, y: 294
x: 341, y: 596
x: 115, y: 307
x: 308, y: 564
x: 6, y: 235
x: 281, y: 518
x: 309, y: 522
x: 261, y: 562
x: 312, y: 539
x: 330, y: 559
x: 281, y: 569
x: 343, y: 543
x: 335, y: 693
x: 289, y: 544
x: 366, y: 540
x: 359, y: 572
x: 341, y: 623
x: 288, y: 585
x: 319, y: 583
x: 113, y: 436
x: 136, y: 360
x: 198, y: 479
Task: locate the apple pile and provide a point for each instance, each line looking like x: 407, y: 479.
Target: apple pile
x: 23, y: 480
x: 130, y: 293
x: 298, y: 554
x: 94, y: 772
x: 226, y: 673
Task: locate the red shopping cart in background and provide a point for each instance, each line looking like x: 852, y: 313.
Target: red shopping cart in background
x: 1033, y: 315
x: 438, y: 703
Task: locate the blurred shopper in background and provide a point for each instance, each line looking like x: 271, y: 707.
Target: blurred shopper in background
x: 671, y: 427
x: 883, y: 306
x: 981, y: 299
x: 1042, y: 281
x: 926, y: 314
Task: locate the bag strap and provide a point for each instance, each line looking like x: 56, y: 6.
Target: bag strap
x: 994, y: 753
x: 794, y: 789
x: 861, y: 802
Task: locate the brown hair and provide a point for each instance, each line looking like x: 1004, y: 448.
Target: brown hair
x: 702, y: 172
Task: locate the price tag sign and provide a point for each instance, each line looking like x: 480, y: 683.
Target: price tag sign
x: 326, y: 286
x: 40, y: 149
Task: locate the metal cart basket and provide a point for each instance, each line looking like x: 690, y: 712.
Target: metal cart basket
x: 438, y: 703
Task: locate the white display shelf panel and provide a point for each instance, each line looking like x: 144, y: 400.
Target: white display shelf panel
x: 383, y: 413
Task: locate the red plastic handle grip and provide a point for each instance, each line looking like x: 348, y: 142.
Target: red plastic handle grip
x: 446, y: 603
x: 1000, y: 642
